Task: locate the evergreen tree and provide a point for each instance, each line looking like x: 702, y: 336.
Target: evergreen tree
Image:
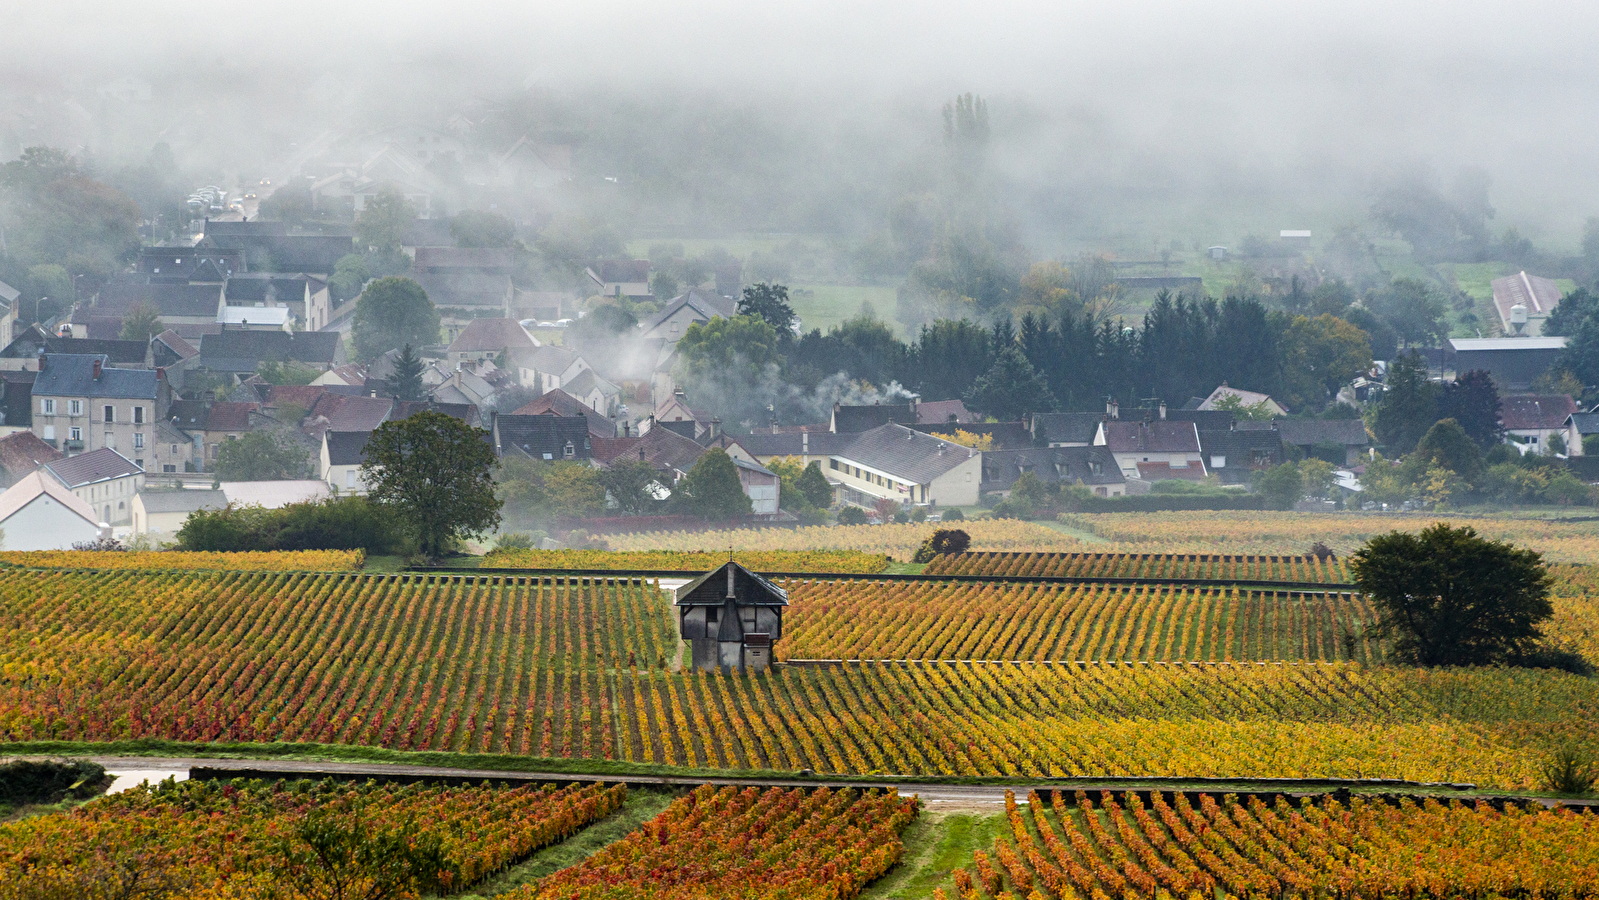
x: 1011, y: 389
x: 769, y: 302
x: 407, y: 380
x: 1409, y: 405
x: 1473, y: 402
x: 813, y: 484
x: 1446, y: 444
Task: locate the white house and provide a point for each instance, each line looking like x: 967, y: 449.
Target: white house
x: 1530, y: 420
x: 164, y: 512
x: 37, y: 513
x: 104, y: 479
x: 342, y: 454
x: 896, y: 463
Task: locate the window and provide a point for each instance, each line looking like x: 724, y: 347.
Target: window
x: 1217, y: 461
x: 710, y: 615
x: 75, y: 433
x: 569, y: 451
x: 138, y: 415
x: 174, y: 449
x: 111, y: 440
x: 110, y: 414
x: 138, y: 441
x: 47, y: 406
x: 349, y: 479
x: 49, y: 432
x: 74, y: 407
x: 172, y: 469
x: 139, y: 463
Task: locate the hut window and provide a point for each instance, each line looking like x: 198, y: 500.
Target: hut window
x: 710, y: 615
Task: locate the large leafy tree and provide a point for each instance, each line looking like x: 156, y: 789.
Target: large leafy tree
x: 1010, y: 389
x: 632, y: 485
x: 53, y: 211
x: 382, y: 222
x: 1321, y: 355
x: 769, y: 303
x: 1413, y: 309
x: 142, y: 322
x: 711, y: 488
x: 732, y: 366
x: 436, y: 472
x: 1447, y: 597
x: 261, y: 456
x: 1447, y: 446
x: 477, y: 228
x: 393, y: 312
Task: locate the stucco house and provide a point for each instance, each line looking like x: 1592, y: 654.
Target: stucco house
x: 38, y: 513
x: 892, y: 462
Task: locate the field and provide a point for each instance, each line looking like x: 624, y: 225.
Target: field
x: 221, y: 839
x: 1287, y: 533
x: 1039, y: 622
x: 1121, y: 846
x: 896, y: 541
x: 778, y: 843
x: 842, y: 561
x: 1225, y: 567
x: 290, y: 561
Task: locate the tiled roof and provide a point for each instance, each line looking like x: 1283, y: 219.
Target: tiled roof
x: 1066, y: 428
x: 812, y: 443
x: 543, y: 437
x: 1154, y: 437
x: 237, y: 350
x: 1303, y: 432
x: 189, y: 415
x: 1058, y: 465
x: 560, y: 403
x: 905, y: 453
x: 1005, y: 435
x: 72, y: 375
x: 259, y: 288
x: 854, y: 419
x: 443, y: 259
x: 465, y: 289
x: 35, y: 483
x: 345, y: 448
x: 1587, y: 423
x: 705, y: 304
x: 189, y: 301
x: 659, y: 446
x: 23, y: 452
x: 1162, y: 471
x: 178, y: 344
x: 492, y: 336
x: 88, y: 468
x: 943, y: 412
x: 342, y: 412
x: 1524, y: 412
x: 230, y: 416
x: 182, y: 501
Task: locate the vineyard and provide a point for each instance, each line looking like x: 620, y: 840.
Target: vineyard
x: 1290, y: 533
x: 727, y: 842
x: 836, y: 561
x: 897, y: 541
x: 1125, y: 847
x: 507, y: 664
x: 932, y: 620
x: 217, y: 839
x: 1212, y: 566
x: 251, y: 561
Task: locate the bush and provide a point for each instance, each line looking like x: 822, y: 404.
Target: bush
x: 953, y: 515
x: 852, y: 515
x: 514, y: 540
x: 50, y: 780
x: 344, y: 523
x: 1569, y: 771
x: 943, y: 542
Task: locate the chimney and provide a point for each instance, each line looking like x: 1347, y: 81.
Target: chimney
x: 97, y: 368
x: 160, y: 373
x: 805, y: 443
x: 716, y: 429
x: 1111, y: 408
x: 41, y: 360
x: 1163, y: 410
x: 731, y: 594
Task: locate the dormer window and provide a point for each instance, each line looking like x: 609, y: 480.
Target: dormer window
x: 569, y: 451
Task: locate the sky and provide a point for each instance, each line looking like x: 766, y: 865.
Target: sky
x: 1170, y: 94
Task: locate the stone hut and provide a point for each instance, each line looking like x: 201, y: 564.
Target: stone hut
x: 732, y: 617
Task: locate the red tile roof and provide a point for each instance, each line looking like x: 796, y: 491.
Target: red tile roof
x: 1532, y: 411
x: 230, y: 416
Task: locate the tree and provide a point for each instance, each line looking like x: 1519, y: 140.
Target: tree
x: 350, y: 274
x: 393, y: 312
x: 382, y: 222
x: 1409, y: 406
x: 1316, y: 478
x: 1413, y: 309
x: 663, y: 285
x: 813, y: 484
x: 1447, y: 597
x: 436, y: 471
x: 339, y: 853
x: 1321, y: 355
x: 1447, y: 446
x: 1473, y: 402
x: 407, y: 378
x: 1574, y: 308
x: 291, y: 203
x: 731, y: 365
x: 1011, y: 388
x: 142, y: 322
x: 477, y: 228
x: 769, y: 303
x: 711, y: 488
x: 261, y: 456
x: 1282, y: 486
x: 970, y: 439
x: 1259, y: 411
x: 632, y: 485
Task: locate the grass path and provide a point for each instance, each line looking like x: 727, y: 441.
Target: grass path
x: 641, y: 806
x: 1087, y: 537
x: 935, y: 846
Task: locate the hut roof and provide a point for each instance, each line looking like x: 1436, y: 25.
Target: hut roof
x: 750, y: 589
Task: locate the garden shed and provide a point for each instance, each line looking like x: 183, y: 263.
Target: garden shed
x: 732, y: 618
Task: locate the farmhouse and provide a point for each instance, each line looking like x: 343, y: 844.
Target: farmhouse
x: 732, y: 618
x: 896, y: 463
x: 37, y: 513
